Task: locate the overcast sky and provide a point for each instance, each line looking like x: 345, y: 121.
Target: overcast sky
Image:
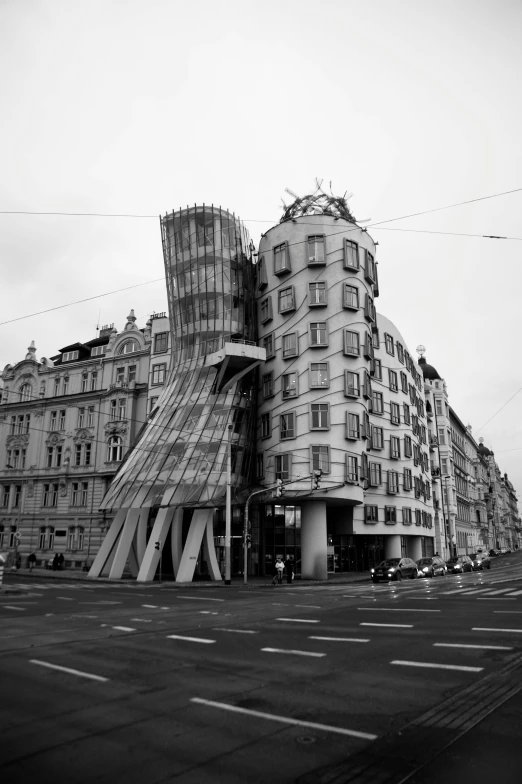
x: 125, y: 106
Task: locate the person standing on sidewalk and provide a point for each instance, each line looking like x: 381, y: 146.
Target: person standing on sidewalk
x: 279, y: 569
x: 289, y: 569
x: 31, y: 561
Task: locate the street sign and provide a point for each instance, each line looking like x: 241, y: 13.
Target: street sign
x: 18, y: 536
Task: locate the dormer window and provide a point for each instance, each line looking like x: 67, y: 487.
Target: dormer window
x: 98, y: 351
x: 129, y: 347
x: 70, y: 356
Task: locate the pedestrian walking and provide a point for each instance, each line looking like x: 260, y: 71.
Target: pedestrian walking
x: 55, y: 562
x: 31, y: 561
x: 289, y: 569
x: 61, y: 559
x: 279, y: 569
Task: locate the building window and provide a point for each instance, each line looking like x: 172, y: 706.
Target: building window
x: 393, y: 481
x: 375, y: 474
x: 129, y: 347
x: 369, y: 309
x: 351, y: 255
x: 25, y: 393
x: 289, y: 345
x: 377, y: 403
x: 351, y: 343
x: 316, y: 249
x: 69, y: 356
x: 115, y: 449
x: 388, y: 340
x: 400, y: 352
x: 377, y: 369
x: 352, y: 469
x: 260, y: 466
x: 319, y: 416
x: 161, y: 341
x: 85, y: 382
x: 80, y: 491
x: 120, y: 376
x: 286, y: 299
x: 317, y: 293
x: 262, y: 280
x: 114, y: 409
x: 152, y: 404
x: 407, y: 479
x: 319, y: 375
x: 94, y: 378
x: 351, y: 297
x: 404, y: 380
x: 353, y: 428
x: 394, y: 386
x: 81, y: 417
x: 42, y: 539
x: 395, y: 414
x: 371, y: 514
x: 418, y: 519
x: 390, y: 515
x: 282, y: 467
x: 351, y: 384
x: 377, y: 438
x: 50, y: 496
x: 98, y: 351
x: 287, y: 425
x: 57, y: 386
x: 6, y: 491
x: 266, y: 310
x: 17, y: 496
x: 438, y: 407
x: 444, y: 465
x: 442, y: 436
x: 320, y: 459
x: 289, y: 385
x: 131, y: 375
x: 268, y: 385
x: 158, y: 374
x: 395, y: 447
x: 122, y: 406
x: 281, y: 259
x: 268, y: 345
x: 406, y: 411
x: 406, y: 515
x: 318, y: 334
x: 266, y: 428
x: 61, y: 422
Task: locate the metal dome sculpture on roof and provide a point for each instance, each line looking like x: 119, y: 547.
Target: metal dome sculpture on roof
x: 428, y: 371
x: 318, y: 203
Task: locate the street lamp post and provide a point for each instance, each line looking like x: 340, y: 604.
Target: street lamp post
x: 453, y: 544
x: 228, y: 518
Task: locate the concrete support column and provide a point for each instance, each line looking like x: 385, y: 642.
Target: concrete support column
x: 392, y: 546
x: 314, y: 541
x: 414, y: 547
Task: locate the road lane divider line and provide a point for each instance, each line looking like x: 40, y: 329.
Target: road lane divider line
x: 312, y: 725
x: 66, y: 598
x: 296, y: 620
x: 432, y: 665
x: 294, y: 652
x: 501, y: 590
x: 200, y: 598
x: 69, y: 671
x: 235, y: 631
x: 508, y: 612
x: 12, y: 607
x: 151, y: 606
x: 515, y: 593
x: 477, y: 647
x: 390, y: 625
x: 487, y: 629
x: 189, y: 639
x: 142, y: 620
x: 123, y: 629
x: 395, y: 609
x: 495, y: 598
x: 339, y: 639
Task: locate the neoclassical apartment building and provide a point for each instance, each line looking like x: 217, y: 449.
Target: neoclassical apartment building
x: 340, y: 394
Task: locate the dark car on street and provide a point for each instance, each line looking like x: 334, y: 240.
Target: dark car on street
x: 480, y: 561
x: 431, y: 567
x: 459, y: 564
x: 394, y: 569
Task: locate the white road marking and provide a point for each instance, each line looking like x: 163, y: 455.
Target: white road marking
x: 236, y: 631
x: 295, y: 653
x: 65, y: 598
x: 392, y: 625
x: 395, y: 609
x: 309, y: 606
x: 495, y: 598
x: 80, y: 674
x: 437, y: 666
x: 189, y: 639
x: 283, y: 719
x: 502, y: 590
x: 143, y: 620
x: 208, y: 612
x: 11, y: 607
x: 340, y: 639
x: 151, y: 606
x: 508, y: 612
x: 486, y: 629
x: 123, y: 629
x: 200, y: 598
x: 296, y: 620
x: 478, y: 647
x: 515, y: 593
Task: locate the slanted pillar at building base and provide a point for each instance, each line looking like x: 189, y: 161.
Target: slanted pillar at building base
x: 415, y: 547
x: 314, y: 541
x: 392, y: 546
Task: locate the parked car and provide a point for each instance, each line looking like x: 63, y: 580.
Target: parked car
x: 459, y: 564
x: 493, y: 553
x: 394, y: 569
x: 431, y: 566
x: 480, y: 561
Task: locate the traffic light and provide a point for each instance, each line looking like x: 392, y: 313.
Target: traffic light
x: 316, y: 479
x: 280, y: 490
x: 157, y: 546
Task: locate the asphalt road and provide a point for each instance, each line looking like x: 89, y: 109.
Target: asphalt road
x: 328, y: 683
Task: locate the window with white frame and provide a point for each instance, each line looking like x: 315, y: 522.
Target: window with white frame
x: 94, y: 378
x: 131, y: 373
x: 289, y: 342
x: 371, y: 513
x: 161, y: 342
x: 317, y: 293
x: 42, y: 538
x: 120, y: 376
x: 351, y: 297
x: 406, y: 515
x: 400, y: 352
x: 57, y: 382
x: 438, y: 407
x: 319, y: 416
x: 406, y: 413
x: 61, y: 420
x: 98, y: 351
x: 319, y: 375
x: 90, y: 416
x: 282, y: 467
x: 286, y: 299
x: 388, y: 341
x: 85, y: 382
x: 407, y: 479
x: 442, y: 436
x: 353, y: 427
x: 394, y: 386
x: 70, y: 356
x: 129, y: 347
x: 113, y: 409
x: 318, y: 333
x: 122, y: 407
x: 50, y: 495
x: 377, y: 403
x: 351, y: 255
x: 158, y: 373
x: 4, y: 497
x: 316, y: 249
x: 152, y: 404
x: 395, y: 447
x: 287, y: 425
x: 320, y: 458
x: 393, y: 481
x: 404, y: 380
x: 375, y: 474
x: 351, y: 343
x: 390, y: 515
x: 377, y: 369
x: 377, y: 438
x: 114, y: 449
x: 26, y: 392
x: 289, y: 385
x: 281, y: 259
x: 352, y: 468
x: 351, y: 384
x: 81, y: 418
x: 395, y: 414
